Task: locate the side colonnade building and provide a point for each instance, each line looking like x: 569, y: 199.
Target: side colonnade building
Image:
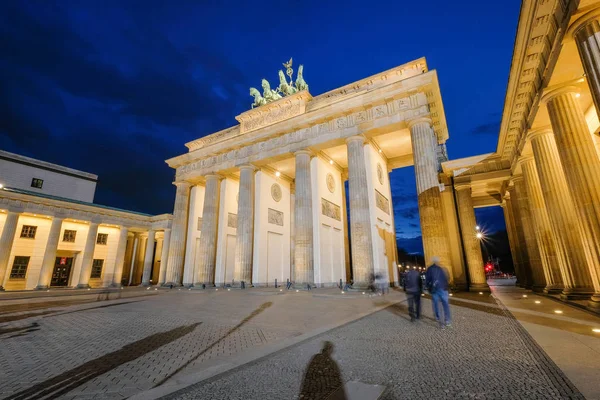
x: 265, y: 200
x: 545, y: 172
x: 53, y: 236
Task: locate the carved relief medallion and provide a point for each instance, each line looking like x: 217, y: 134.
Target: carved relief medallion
x: 276, y: 192
x: 330, y: 182
x: 380, y: 173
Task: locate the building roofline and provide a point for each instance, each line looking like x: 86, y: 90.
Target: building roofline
x: 59, y: 169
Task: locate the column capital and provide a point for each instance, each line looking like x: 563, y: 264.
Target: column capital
x: 356, y: 138
x: 15, y: 209
x: 167, y: 230
x: 525, y: 159
x: 184, y: 184
x: 515, y: 179
x: 543, y: 131
x: 582, y: 22
x: 462, y: 185
x: 554, y: 91
x: 248, y: 166
x: 416, y: 121
x: 213, y: 177
x: 307, y: 152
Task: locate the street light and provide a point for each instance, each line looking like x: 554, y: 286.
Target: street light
x: 477, y: 228
x: 479, y: 235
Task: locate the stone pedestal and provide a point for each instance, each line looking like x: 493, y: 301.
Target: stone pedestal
x: 360, y: 216
x: 174, y: 266
x: 433, y: 227
x: 149, y: 255
x: 6, y: 241
x: 88, y: 256
x: 50, y: 254
x: 303, y: 233
x: 244, y: 240
x: 582, y: 170
x: 535, y: 272
x: 208, y: 238
x: 471, y: 244
x: 120, y: 257
x: 164, y: 257
x: 563, y: 216
x: 552, y: 262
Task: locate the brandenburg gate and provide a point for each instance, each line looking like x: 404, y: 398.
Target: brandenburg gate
x: 265, y: 200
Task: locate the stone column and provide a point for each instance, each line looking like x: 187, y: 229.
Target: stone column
x: 176, y: 252
x: 563, y: 216
x: 360, y: 216
x: 517, y: 222
x: 513, y: 239
x: 304, y: 273
x: 136, y: 239
x: 244, y: 239
x: 292, y: 231
x: 120, y: 257
x: 582, y: 170
x: 50, y: 254
x: 164, y: 257
x: 471, y: 244
x: 537, y: 281
x: 586, y: 32
x: 345, y: 220
x: 88, y: 256
x: 208, y: 236
x: 552, y: 262
x: 148, y: 258
x: 433, y: 227
x: 6, y: 242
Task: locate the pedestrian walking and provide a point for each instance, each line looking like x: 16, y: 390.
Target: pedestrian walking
x: 436, y: 280
x: 413, y: 287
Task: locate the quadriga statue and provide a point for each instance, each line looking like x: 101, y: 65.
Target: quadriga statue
x: 300, y: 82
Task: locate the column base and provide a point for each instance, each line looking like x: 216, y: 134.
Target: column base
x: 303, y: 286
x: 145, y: 284
x: 169, y: 284
x: 41, y: 287
x: 538, y: 288
x: 83, y: 286
x: 594, y: 303
x: 460, y: 287
x: 576, y: 294
x: 553, y: 289
x: 479, y: 287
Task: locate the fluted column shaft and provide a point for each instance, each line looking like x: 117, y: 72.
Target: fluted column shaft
x: 513, y: 239
x: 244, y: 241
x: 6, y: 242
x: 303, y: 236
x: 587, y: 38
x: 433, y: 227
x: 120, y: 257
x: 360, y: 216
x: 209, y: 228
x: 148, y: 258
x: 174, y: 266
x: 88, y: 256
x: 525, y: 280
x: 50, y: 254
x: 471, y: 244
x: 164, y: 257
x: 552, y: 262
x: 582, y: 170
x: 563, y: 216
x: 536, y: 268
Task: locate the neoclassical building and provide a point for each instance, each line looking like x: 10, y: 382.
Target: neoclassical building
x: 545, y: 172
x: 265, y: 200
x: 53, y: 235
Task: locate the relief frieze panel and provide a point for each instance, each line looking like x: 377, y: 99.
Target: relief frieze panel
x: 275, y: 217
x: 231, y: 220
x: 382, y: 202
x: 331, y: 210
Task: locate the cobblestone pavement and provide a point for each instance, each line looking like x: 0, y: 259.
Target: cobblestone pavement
x: 486, y: 354
x: 101, y: 349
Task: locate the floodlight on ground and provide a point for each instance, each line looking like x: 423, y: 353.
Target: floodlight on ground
x: 480, y: 292
x: 229, y: 290
x: 524, y: 295
x: 343, y: 292
x: 217, y: 289
x: 1, y: 186
x: 558, y: 311
x: 296, y: 290
x: 451, y: 294
x: 596, y: 330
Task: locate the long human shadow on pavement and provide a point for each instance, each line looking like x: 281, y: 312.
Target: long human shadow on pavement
x: 323, y: 378
x: 55, y: 387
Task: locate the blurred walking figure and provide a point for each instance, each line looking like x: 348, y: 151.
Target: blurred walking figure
x: 413, y: 286
x: 436, y: 280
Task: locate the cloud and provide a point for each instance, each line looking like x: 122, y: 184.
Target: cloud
x: 488, y: 128
x: 409, y: 213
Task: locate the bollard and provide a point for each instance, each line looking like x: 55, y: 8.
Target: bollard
x: 341, y: 284
x: 203, y: 286
x: 243, y: 285
x: 275, y: 283
x: 308, y: 286
x: 170, y: 286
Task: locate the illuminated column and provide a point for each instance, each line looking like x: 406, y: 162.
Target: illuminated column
x: 120, y: 257
x: 6, y: 242
x: 208, y: 237
x: 50, y: 253
x: 360, y: 216
x: 513, y: 239
x: 148, y: 258
x: 471, y: 243
x: 582, y: 171
x: 164, y: 257
x: 176, y: 253
x: 537, y: 282
x: 88, y: 256
x: 552, y: 262
x: 525, y: 280
x: 433, y: 227
x: 346, y: 237
x: 303, y: 236
x: 563, y: 216
x: 586, y: 32
x: 244, y: 240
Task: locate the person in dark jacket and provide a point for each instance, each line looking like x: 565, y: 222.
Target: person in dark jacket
x: 436, y: 280
x: 413, y: 286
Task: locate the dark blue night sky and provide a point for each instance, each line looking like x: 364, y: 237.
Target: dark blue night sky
x: 116, y: 87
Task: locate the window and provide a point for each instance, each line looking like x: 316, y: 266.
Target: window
x: 102, y: 238
x: 97, y: 269
x: 37, y: 183
x: 28, y: 231
x: 19, y: 268
x: 69, y: 236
